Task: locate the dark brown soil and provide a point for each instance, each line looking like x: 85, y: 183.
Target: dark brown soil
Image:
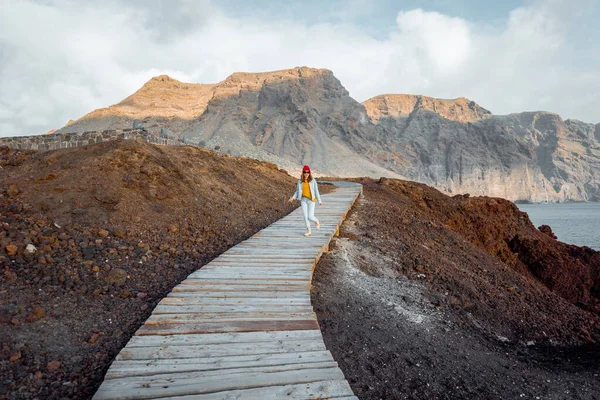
x: 115, y: 227
x: 424, y: 296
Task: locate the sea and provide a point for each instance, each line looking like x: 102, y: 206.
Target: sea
x: 573, y: 223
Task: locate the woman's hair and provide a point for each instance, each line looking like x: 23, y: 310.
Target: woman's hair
x: 310, y: 178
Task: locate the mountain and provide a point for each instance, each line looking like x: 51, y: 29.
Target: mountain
x: 291, y: 117
x: 533, y: 156
x: 305, y: 116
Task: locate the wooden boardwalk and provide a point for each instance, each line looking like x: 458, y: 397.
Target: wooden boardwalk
x: 242, y: 326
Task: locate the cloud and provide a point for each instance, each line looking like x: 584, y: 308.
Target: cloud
x: 91, y: 55
x: 444, y: 42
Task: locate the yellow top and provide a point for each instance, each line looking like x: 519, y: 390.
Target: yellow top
x: 306, y: 191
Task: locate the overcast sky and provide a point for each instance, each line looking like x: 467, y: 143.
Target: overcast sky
x: 60, y: 59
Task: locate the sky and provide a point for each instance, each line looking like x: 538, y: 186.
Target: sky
x: 60, y: 59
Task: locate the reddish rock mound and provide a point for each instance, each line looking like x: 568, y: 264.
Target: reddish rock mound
x: 502, y: 230
x: 425, y: 296
x: 489, y: 264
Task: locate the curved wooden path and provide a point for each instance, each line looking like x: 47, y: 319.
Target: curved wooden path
x: 242, y: 326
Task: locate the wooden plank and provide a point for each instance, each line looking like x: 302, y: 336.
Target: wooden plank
x: 229, y: 308
x: 216, y: 274
x: 148, y: 387
x: 182, y: 292
x: 256, y: 263
x: 189, y: 377
x: 291, y: 250
x: 240, y: 295
x: 292, y: 244
x: 193, y: 300
x: 219, y: 338
x: 214, y: 363
x: 229, y: 326
x: 238, y: 289
x: 322, y: 390
x: 279, y: 239
x: 242, y: 283
x: 247, y: 279
x: 223, y: 278
x: 274, y: 264
x: 300, y: 258
x: 200, y: 287
x: 219, y: 350
x: 241, y: 287
x: 202, y: 316
x: 257, y: 266
x: 123, y: 368
x: 199, y: 318
x: 256, y: 252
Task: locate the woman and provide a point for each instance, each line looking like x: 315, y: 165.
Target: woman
x: 307, y: 191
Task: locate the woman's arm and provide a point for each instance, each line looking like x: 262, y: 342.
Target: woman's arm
x: 295, y: 195
x: 318, y: 195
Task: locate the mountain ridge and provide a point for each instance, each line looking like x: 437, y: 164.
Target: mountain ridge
x: 305, y: 116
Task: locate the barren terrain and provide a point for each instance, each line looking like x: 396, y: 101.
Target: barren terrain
x: 424, y: 296
x: 111, y: 229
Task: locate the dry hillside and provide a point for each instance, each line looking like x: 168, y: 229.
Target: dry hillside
x: 426, y: 296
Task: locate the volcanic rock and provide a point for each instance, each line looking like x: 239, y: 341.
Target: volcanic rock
x: 53, y: 366
x: 11, y: 249
x: 116, y: 277
x: 36, y: 314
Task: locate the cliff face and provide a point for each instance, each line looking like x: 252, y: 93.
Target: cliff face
x: 162, y: 102
x: 300, y: 116
x: 528, y: 156
x: 290, y: 117
x: 402, y: 105
x: 305, y: 116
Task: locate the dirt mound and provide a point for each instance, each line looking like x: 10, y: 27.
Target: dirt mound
x: 502, y: 230
x: 486, y: 261
x: 92, y: 238
x: 425, y: 296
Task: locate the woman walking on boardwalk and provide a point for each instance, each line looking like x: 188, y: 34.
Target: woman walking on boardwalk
x: 307, y: 191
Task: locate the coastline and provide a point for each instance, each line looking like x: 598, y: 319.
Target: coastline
x: 573, y: 222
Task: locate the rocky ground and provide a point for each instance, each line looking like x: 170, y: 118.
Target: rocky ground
x: 92, y: 238
x: 424, y: 296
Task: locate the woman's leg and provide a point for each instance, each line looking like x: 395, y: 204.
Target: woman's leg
x: 311, y: 213
x: 304, y: 203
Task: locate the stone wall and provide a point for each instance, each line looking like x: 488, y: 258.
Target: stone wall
x: 65, y: 140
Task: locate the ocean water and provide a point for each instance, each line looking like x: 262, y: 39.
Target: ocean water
x: 574, y: 223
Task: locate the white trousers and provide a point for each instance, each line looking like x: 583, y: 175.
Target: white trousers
x: 308, y: 210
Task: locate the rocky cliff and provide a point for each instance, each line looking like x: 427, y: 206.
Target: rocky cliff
x: 305, y: 116
x: 402, y: 105
x: 163, y: 103
x: 531, y: 156
x: 290, y: 117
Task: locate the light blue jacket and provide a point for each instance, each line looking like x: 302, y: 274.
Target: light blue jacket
x: 314, y: 190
